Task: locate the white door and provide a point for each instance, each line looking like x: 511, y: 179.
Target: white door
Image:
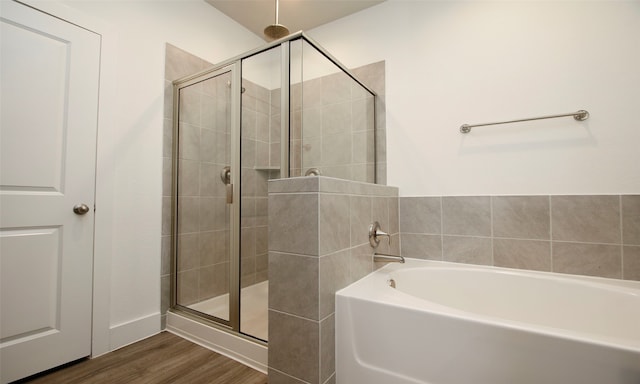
x: 48, y: 120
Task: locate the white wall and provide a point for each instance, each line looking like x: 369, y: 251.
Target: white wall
x: 129, y: 186
x: 450, y: 63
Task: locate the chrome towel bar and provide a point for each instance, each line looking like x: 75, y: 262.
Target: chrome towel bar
x: 579, y: 116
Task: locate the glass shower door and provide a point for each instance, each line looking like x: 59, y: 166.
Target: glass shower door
x: 203, y: 228
x: 260, y: 162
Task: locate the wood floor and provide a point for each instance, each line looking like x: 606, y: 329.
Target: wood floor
x: 163, y: 358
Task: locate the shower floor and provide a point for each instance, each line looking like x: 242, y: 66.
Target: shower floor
x: 254, y: 313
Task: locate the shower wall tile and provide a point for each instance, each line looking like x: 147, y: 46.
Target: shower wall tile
x: 521, y: 217
x: 168, y: 104
x: 277, y: 377
x: 210, y: 185
x: 189, y: 142
x: 336, y: 118
x: 262, y: 237
x: 165, y: 292
x: 603, y: 260
x: 594, y: 219
x: 187, y: 289
x: 334, y: 275
x: 166, y: 216
x: 293, y: 223
x: 220, y: 280
x: 522, y: 254
x: 631, y: 262
x: 180, y: 63
x: 336, y: 88
x: 312, y: 92
x: 567, y: 234
x: 421, y: 246
x: 294, y: 345
x: 208, y: 104
x: 631, y: 219
x: 393, y: 205
x: 466, y: 215
x: 327, y: 348
x: 372, y: 75
x: 293, y: 285
x: 190, y: 106
x: 360, y: 211
x: 421, y: 215
x: 466, y: 249
x: 248, y: 121
x: 360, y: 262
x: 295, y: 185
x: 363, y: 147
x: 275, y: 101
x: 188, y: 178
x: 189, y: 215
x: 337, y: 133
x: 312, y: 123
x: 334, y: 223
x: 167, y: 138
x: 165, y: 250
x: 341, y: 212
x: 207, y: 248
x: 166, y: 176
x: 380, y: 213
x: 213, y: 147
x: 336, y: 150
x: 362, y: 108
x: 248, y: 243
x: 205, y: 276
x: 188, y: 247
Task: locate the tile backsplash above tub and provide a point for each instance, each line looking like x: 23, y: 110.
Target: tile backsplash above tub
x: 595, y: 235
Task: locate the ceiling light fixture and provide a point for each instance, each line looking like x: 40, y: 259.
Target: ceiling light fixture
x: 276, y: 31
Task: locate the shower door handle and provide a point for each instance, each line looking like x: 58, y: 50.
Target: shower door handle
x: 225, y: 176
x: 229, y: 189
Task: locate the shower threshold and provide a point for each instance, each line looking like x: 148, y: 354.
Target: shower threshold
x: 251, y: 353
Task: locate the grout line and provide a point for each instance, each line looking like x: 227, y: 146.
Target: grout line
x: 493, y: 260
x: 294, y: 315
x: 621, y: 237
x: 441, y: 228
x: 551, y: 258
x: 288, y: 375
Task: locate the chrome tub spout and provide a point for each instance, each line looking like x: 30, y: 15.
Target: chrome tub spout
x: 383, y: 257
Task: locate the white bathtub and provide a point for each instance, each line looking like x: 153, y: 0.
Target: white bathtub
x: 449, y: 323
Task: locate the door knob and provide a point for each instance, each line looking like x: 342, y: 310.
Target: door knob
x: 80, y: 209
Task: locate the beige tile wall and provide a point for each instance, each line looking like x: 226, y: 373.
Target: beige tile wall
x: 258, y: 134
x: 332, y: 126
x: 595, y: 235
x: 179, y: 63
x: 318, y: 244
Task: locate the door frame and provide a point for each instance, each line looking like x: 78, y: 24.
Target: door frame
x: 104, y: 188
x: 233, y: 288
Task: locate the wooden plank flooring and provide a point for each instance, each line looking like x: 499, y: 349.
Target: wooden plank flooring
x: 163, y: 358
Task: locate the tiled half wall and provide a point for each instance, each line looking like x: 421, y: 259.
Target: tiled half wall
x: 595, y: 235
x: 318, y: 244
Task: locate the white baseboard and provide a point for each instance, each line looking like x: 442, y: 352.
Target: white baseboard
x: 135, y: 330
x: 242, y: 350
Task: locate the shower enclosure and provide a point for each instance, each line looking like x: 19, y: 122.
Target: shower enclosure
x: 284, y: 110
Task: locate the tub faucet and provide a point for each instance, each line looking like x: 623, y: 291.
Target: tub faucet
x: 383, y: 257
x: 375, y: 231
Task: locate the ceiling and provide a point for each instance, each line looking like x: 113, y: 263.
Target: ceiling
x: 296, y: 15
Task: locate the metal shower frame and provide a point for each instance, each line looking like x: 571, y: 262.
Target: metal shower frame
x: 234, y: 65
